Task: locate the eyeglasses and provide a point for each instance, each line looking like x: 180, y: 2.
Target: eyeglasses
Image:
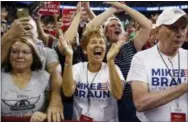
x: 24, y: 52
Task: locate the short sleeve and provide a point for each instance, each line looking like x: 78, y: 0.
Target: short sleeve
x: 51, y: 56
x: 137, y: 70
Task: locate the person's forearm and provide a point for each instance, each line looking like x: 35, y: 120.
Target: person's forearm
x: 56, y: 23
x: 90, y: 13
x: 155, y: 99
x: 100, y: 19
x: 55, y: 92
x: 68, y: 82
x: 7, y: 38
x: 135, y: 15
x: 72, y: 30
x: 55, y: 102
x: 42, y: 35
x: 6, y: 43
x: 55, y: 19
x: 55, y: 99
x: 115, y: 81
x: 56, y: 78
x: 145, y: 26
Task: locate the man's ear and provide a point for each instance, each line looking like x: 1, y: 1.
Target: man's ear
x: 156, y: 32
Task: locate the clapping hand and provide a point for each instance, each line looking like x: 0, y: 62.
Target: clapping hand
x: 23, y: 26
x: 79, y: 7
x: 65, y: 45
x: 114, y: 50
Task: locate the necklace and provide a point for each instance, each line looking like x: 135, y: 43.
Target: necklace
x: 177, y: 99
x: 171, y: 63
x: 89, y: 100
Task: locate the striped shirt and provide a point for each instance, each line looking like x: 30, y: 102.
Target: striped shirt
x: 123, y: 60
x: 126, y: 109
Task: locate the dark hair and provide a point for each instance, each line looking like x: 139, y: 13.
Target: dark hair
x: 37, y: 63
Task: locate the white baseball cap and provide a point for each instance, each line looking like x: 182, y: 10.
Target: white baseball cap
x: 170, y: 16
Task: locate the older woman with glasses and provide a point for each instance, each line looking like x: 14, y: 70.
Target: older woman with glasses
x: 24, y: 84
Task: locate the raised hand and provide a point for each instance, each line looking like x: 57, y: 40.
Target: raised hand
x: 65, y: 45
x: 55, y: 16
x: 85, y: 5
x: 37, y: 16
x: 115, y: 5
x: 38, y: 117
x: 122, y: 38
x: 114, y: 50
x: 86, y: 8
x: 79, y: 7
x: 22, y: 25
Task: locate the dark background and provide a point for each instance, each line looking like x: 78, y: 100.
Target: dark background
x: 12, y: 5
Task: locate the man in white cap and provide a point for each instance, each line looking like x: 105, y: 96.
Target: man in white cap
x: 159, y: 75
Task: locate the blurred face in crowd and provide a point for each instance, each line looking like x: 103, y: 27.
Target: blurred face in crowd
x: 96, y: 49
x: 4, y: 13
x: 33, y: 30
x: 113, y: 30
x: 21, y: 57
x: 129, y: 28
x: 173, y: 36
x: 49, y: 27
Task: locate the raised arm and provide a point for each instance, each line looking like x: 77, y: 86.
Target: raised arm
x: 115, y: 80
x: 55, y: 17
x: 100, y: 19
x: 68, y: 85
x: 42, y: 35
x: 88, y: 10
x: 146, y: 25
x: 9, y: 37
x: 72, y: 30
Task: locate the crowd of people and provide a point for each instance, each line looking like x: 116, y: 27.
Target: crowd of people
x: 96, y: 69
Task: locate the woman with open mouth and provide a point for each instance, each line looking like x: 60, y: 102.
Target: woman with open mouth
x: 96, y: 85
